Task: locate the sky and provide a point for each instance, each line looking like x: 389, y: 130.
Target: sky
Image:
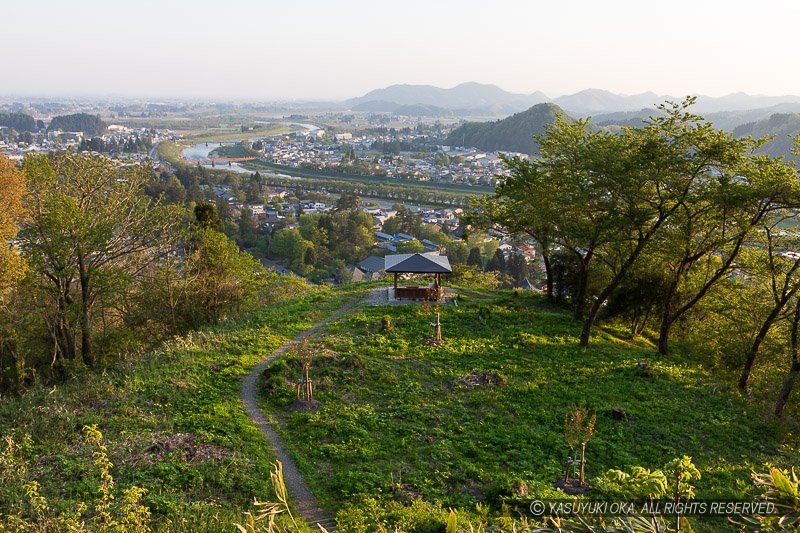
x: 334, y: 49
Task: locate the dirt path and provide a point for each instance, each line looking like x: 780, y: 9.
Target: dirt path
x: 301, y: 495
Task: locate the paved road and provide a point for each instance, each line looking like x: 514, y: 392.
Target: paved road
x: 153, y: 153
x: 301, y: 495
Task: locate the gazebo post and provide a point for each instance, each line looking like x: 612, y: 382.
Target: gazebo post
x: 395, y: 285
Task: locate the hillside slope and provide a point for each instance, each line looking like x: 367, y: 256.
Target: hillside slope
x: 172, y: 420
x: 476, y: 418
x: 514, y: 134
x: 784, y: 127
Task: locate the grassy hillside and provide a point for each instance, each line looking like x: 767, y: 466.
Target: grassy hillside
x: 472, y: 421
x: 172, y: 420
x: 514, y: 134
x: 484, y: 415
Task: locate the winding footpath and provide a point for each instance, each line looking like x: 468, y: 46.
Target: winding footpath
x: 303, y: 499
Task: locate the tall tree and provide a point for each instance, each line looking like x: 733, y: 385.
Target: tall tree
x: 107, y: 229
x: 474, y: 258
x: 12, y: 269
x: 783, y: 279
x: 703, y: 242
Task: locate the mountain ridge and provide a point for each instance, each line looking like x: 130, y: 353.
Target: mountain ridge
x: 473, y: 97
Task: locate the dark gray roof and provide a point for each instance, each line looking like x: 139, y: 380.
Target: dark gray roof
x: 373, y: 263
x: 418, y: 263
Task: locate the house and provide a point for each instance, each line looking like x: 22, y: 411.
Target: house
x: 383, y: 236
x: 387, y: 245
x: 429, y: 245
x: 359, y: 275
x: 373, y: 264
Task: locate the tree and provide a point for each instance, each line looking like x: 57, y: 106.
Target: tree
x: 348, y: 201
x: 497, y: 262
x: 457, y: 252
x: 205, y: 213
x: 475, y: 258
x: 783, y: 277
x: 794, y: 367
x: 12, y: 269
x: 290, y: 245
x: 713, y: 226
x: 248, y: 228
x: 524, y: 204
x: 404, y: 221
x: 617, y: 195
x: 518, y: 268
x: 223, y: 279
x: 410, y: 247
x: 91, y: 225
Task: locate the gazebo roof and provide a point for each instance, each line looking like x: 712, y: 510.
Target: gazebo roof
x: 418, y: 263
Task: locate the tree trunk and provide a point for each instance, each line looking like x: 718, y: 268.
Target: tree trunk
x: 760, y: 336
x: 65, y: 339
x: 788, y: 384
x: 667, y: 318
x: 583, y: 282
x: 583, y: 463
x: 588, y: 322
x: 548, y: 272
x: 671, y: 315
x: 86, y: 323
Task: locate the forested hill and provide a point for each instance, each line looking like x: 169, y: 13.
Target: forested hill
x: 783, y: 127
x: 18, y: 122
x: 514, y: 134
x: 83, y: 122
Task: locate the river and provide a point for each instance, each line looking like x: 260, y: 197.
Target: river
x: 202, y: 150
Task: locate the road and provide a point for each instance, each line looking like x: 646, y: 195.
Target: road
x: 153, y: 153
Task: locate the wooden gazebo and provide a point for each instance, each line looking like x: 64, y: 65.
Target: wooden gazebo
x: 419, y: 264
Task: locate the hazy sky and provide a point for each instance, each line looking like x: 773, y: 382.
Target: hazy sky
x: 335, y: 49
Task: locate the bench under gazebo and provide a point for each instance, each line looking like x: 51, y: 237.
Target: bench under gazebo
x: 430, y: 264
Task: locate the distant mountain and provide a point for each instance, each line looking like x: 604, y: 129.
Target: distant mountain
x: 467, y: 97
x: 740, y: 102
x: 594, y: 101
x: 783, y: 126
x: 730, y: 120
x: 83, y: 122
x: 624, y: 118
x: 514, y: 134
x: 598, y: 101
x: 18, y: 121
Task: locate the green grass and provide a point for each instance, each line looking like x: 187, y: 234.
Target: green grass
x: 397, y: 418
x: 188, y: 386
